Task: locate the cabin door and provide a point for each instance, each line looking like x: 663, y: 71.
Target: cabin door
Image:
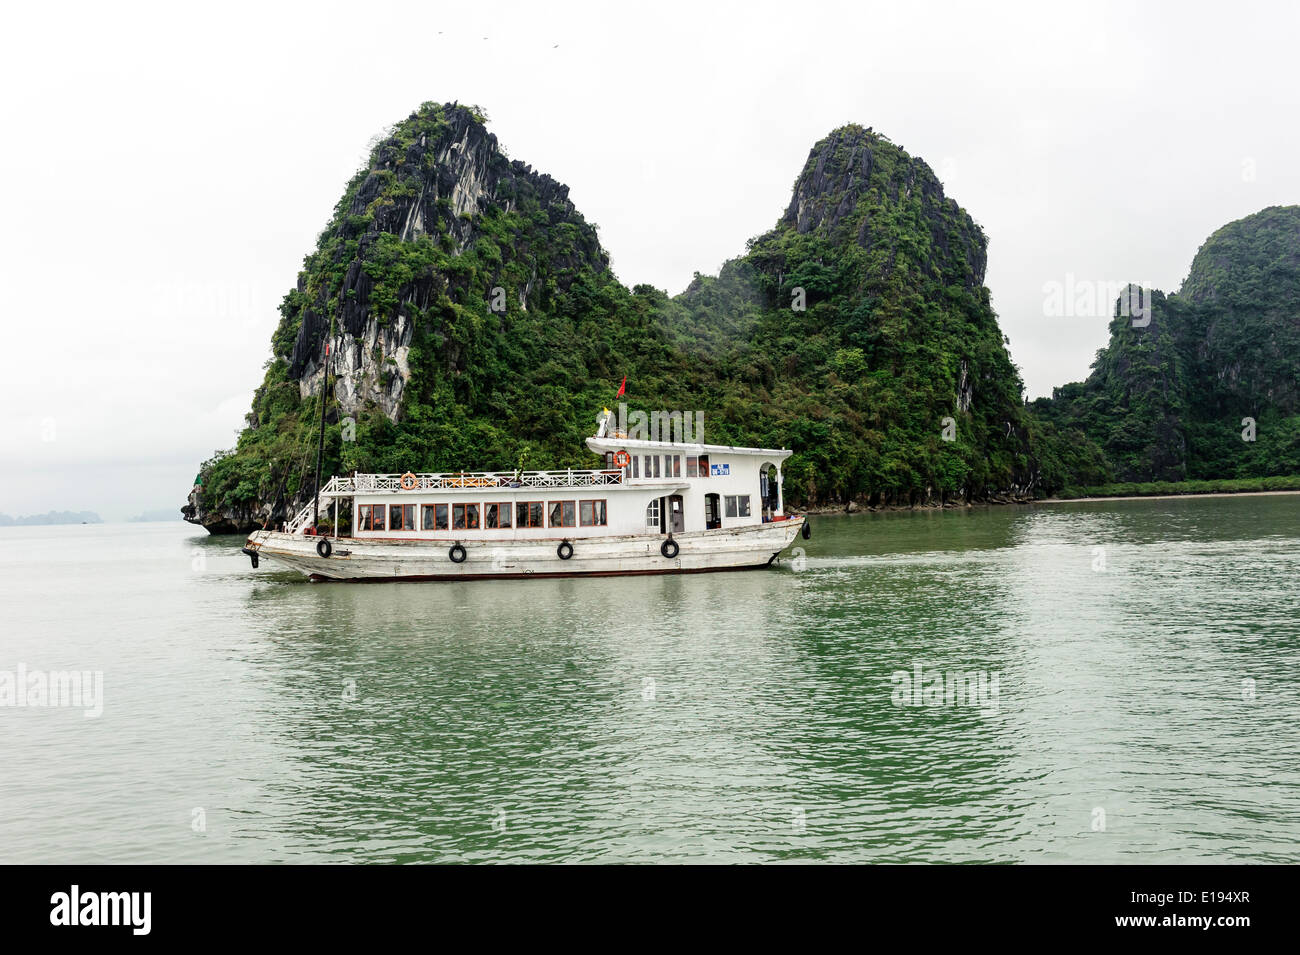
x: 769, y: 495
x: 712, y: 512
x: 676, y: 515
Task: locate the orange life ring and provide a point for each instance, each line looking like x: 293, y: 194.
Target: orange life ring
x: 622, y: 458
x: 409, y: 481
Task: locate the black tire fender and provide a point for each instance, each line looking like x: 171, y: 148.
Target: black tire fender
x: 323, y: 547
x: 669, y: 548
x: 564, y: 551
x: 807, y: 529
x: 456, y: 554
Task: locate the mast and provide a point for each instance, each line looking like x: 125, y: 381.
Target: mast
x: 320, y: 443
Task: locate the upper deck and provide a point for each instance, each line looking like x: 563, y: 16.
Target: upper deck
x: 472, y: 480
x: 660, y: 487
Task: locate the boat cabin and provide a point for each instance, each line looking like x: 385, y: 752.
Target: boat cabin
x: 698, y: 487
x: 646, y: 488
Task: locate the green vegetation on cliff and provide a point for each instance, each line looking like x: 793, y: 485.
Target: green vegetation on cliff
x: 895, y: 335
x: 1210, y: 388
x: 1164, y: 488
x: 477, y: 325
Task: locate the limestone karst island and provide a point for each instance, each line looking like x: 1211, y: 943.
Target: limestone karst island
x: 477, y: 324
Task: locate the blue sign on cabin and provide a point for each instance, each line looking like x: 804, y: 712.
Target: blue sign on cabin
x: 717, y: 469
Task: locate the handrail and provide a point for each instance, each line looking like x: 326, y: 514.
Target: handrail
x: 483, y: 479
x: 301, y: 519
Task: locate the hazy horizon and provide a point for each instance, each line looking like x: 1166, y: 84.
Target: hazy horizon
x: 170, y: 168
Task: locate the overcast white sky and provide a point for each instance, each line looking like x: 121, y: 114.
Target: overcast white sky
x: 167, y: 166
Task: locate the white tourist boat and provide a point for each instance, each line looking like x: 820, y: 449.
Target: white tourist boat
x: 658, y: 507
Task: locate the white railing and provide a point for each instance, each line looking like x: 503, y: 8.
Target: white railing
x: 303, y: 517
x: 469, y: 480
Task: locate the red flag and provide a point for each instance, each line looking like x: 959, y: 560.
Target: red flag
x: 622, y: 388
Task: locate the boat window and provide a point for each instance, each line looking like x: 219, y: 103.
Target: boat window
x: 704, y: 465
x: 636, y: 465
x: 505, y: 515
x: 736, y: 505
x: 426, y: 517
x: 372, y: 517
x: 440, y: 517
x: 563, y: 514
x: 692, y: 465
x: 529, y: 514
x: 490, y: 516
x: 652, y: 515
x: 591, y: 513
x: 401, y: 517
x: 464, y: 517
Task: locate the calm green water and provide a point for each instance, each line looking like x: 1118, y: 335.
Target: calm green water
x: 721, y: 717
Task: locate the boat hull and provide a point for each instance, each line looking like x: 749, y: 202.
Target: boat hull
x: 359, y: 560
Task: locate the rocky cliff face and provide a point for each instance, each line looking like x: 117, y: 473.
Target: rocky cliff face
x: 440, y: 228
x: 1244, y: 284
x: 436, y: 178
x: 226, y: 519
x: 869, y: 293
x: 834, y: 196
x: 1208, y: 389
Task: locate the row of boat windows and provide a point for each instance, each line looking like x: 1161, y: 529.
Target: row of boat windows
x: 733, y: 505
x: 466, y: 517
x: 668, y: 465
